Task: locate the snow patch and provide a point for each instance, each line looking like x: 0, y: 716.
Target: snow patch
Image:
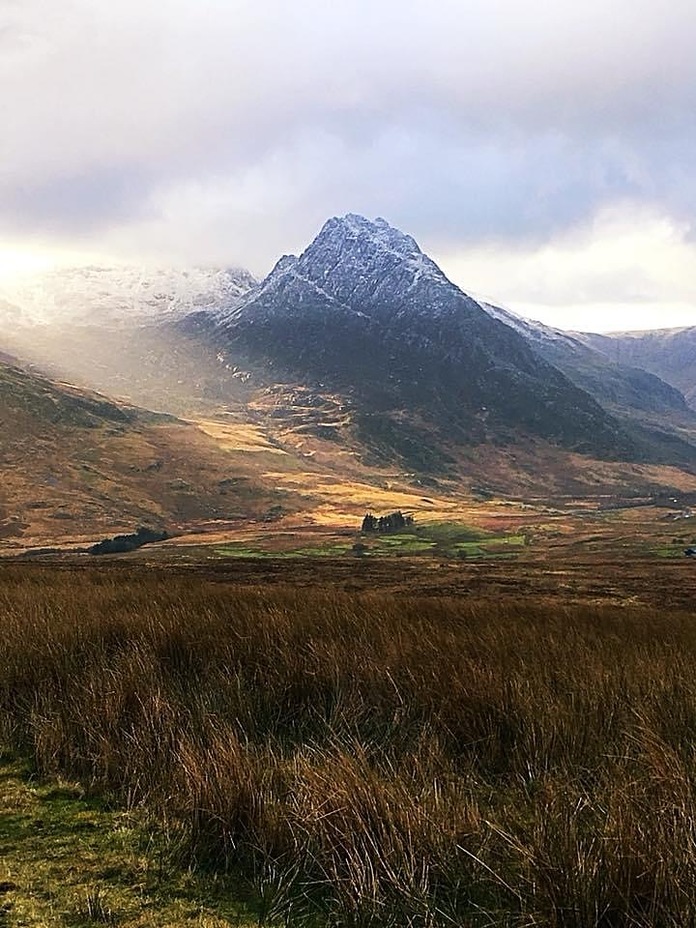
x: 118, y: 295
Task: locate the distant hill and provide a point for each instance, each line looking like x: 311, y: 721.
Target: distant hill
x: 667, y: 353
x: 74, y: 464
x: 588, y: 362
x: 652, y: 409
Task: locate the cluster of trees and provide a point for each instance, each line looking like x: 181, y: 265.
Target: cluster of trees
x: 122, y: 543
x: 394, y: 522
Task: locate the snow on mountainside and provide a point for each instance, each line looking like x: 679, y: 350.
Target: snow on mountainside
x: 118, y: 295
x: 532, y: 330
x: 357, y: 265
x: 113, y: 329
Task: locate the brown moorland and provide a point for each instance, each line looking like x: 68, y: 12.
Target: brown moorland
x: 380, y: 757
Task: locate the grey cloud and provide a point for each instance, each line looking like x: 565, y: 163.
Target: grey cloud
x: 75, y: 205
x: 458, y: 119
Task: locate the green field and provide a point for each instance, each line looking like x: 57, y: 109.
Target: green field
x: 445, y: 540
x: 449, y: 540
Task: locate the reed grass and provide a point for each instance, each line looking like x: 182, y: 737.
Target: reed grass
x: 374, y: 760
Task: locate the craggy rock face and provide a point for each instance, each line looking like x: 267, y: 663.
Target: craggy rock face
x: 364, y: 311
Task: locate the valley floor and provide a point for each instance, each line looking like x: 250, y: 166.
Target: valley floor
x: 618, y: 580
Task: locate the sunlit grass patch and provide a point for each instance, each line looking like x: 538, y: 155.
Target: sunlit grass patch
x: 238, y: 436
x: 448, y: 540
x: 401, y: 543
x: 71, y: 860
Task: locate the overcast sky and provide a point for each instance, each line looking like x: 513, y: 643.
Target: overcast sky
x: 544, y: 152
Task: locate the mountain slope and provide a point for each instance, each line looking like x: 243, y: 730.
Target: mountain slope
x: 667, y: 353
x: 74, y: 464
x: 363, y: 312
x: 612, y: 383
x: 109, y: 329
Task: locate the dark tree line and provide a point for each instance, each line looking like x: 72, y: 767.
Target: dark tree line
x: 394, y: 522
x: 123, y: 543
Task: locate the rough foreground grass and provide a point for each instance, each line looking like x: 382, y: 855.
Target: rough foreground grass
x: 373, y: 760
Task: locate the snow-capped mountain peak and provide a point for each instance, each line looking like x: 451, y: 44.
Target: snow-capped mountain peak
x: 364, y: 312
x: 353, y: 263
x: 362, y: 243
x: 378, y: 231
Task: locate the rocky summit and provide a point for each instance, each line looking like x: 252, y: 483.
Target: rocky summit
x: 364, y: 312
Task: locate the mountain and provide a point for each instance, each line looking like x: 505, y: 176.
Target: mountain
x: 667, y: 353
x: 655, y: 413
x: 364, y: 314
x: 592, y: 363
x: 75, y: 464
x: 117, y: 296
x: 360, y: 349
x: 110, y: 329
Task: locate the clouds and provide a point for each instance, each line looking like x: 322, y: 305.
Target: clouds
x: 628, y: 268
x: 214, y: 130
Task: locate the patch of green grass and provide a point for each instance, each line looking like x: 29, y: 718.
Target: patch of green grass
x: 402, y: 543
x: 452, y: 539
x: 509, y: 540
x: 235, y: 550
x: 443, y: 539
x: 68, y: 860
x: 332, y: 550
x: 448, y: 533
x: 328, y: 550
x: 465, y: 549
x: 667, y: 550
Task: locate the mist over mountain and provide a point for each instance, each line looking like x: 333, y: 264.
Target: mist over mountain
x: 361, y: 339
x: 117, y: 296
x: 110, y: 329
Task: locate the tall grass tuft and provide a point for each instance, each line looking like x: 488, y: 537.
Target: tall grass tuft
x: 373, y: 760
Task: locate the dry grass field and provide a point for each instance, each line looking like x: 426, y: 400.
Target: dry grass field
x: 377, y: 741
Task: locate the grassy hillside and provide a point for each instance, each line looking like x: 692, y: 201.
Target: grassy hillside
x: 372, y: 759
x: 76, y: 465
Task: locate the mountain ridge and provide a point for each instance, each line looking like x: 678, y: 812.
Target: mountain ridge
x: 667, y: 353
x: 586, y: 360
